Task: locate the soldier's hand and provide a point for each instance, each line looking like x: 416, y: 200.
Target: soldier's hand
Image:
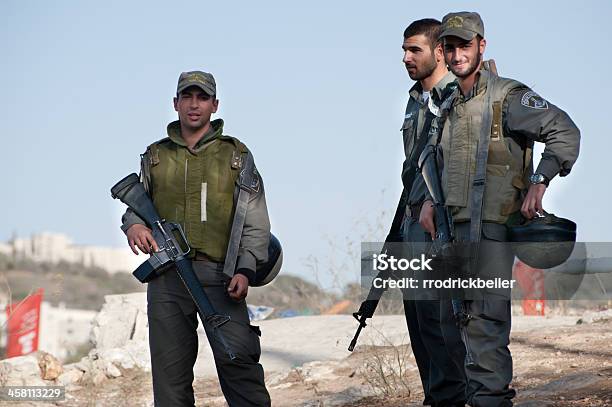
x: 238, y: 287
x: 532, y: 205
x: 426, y: 218
x: 140, y: 236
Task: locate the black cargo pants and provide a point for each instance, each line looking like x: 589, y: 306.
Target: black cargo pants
x: 173, y: 341
x: 442, y: 374
x: 487, y: 322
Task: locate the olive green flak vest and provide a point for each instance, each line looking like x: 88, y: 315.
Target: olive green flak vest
x: 196, y: 188
x: 508, y: 165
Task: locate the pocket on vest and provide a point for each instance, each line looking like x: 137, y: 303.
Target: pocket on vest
x: 501, y: 196
x: 407, y: 130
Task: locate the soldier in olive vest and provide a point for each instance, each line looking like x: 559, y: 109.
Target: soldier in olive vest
x: 487, y: 180
x: 191, y: 176
x: 442, y: 377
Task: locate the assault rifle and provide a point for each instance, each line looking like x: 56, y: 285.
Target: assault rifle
x: 429, y: 165
x: 173, y: 251
x: 367, y: 307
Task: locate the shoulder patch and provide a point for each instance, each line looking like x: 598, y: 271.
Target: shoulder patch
x: 255, y: 180
x: 249, y: 176
x: 533, y: 100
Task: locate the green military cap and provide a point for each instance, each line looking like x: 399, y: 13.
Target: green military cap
x: 463, y: 24
x: 202, y: 80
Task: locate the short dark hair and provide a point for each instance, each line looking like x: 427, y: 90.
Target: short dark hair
x: 429, y: 27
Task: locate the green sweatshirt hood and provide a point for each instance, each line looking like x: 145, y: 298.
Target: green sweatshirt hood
x: 214, y: 131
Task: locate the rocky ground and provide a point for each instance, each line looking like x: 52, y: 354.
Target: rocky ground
x: 570, y: 366
x: 557, y: 365
x: 559, y: 361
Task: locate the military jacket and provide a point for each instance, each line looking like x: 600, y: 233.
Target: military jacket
x: 520, y: 117
x: 412, y: 129
x: 196, y: 188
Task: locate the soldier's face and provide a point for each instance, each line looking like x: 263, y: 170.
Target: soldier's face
x: 463, y: 57
x: 419, y: 58
x: 194, y: 107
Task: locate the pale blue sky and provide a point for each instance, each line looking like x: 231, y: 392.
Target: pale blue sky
x: 316, y: 89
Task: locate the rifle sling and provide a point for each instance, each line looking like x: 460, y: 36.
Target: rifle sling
x: 480, y: 176
x: 242, y: 202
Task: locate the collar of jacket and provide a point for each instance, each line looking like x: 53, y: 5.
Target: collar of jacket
x: 214, y: 131
x: 416, y: 91
x: 479, y: 87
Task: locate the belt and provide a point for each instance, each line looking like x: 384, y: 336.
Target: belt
x: 202, y: 262
x: 414, y: 210
x: 199, y: 256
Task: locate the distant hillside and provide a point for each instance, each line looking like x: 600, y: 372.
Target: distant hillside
x: 74, y: 285
x: 85, y: 287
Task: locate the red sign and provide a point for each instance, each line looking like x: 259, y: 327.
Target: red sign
x: 531, y: 281
x: 23, y: 323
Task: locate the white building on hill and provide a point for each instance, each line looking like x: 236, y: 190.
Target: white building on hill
x: 55, y: 247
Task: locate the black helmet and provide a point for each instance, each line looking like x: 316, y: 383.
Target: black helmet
x: 267, y: 271
x: 544, y: 241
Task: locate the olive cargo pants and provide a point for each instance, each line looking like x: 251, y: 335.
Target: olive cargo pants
x: 173, y: 341
x: 487, y: 327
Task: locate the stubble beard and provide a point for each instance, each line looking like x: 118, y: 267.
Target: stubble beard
x: 471, y: 69
x: 426, y: 72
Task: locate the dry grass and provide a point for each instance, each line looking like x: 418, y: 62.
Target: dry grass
x: 386, y: 368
